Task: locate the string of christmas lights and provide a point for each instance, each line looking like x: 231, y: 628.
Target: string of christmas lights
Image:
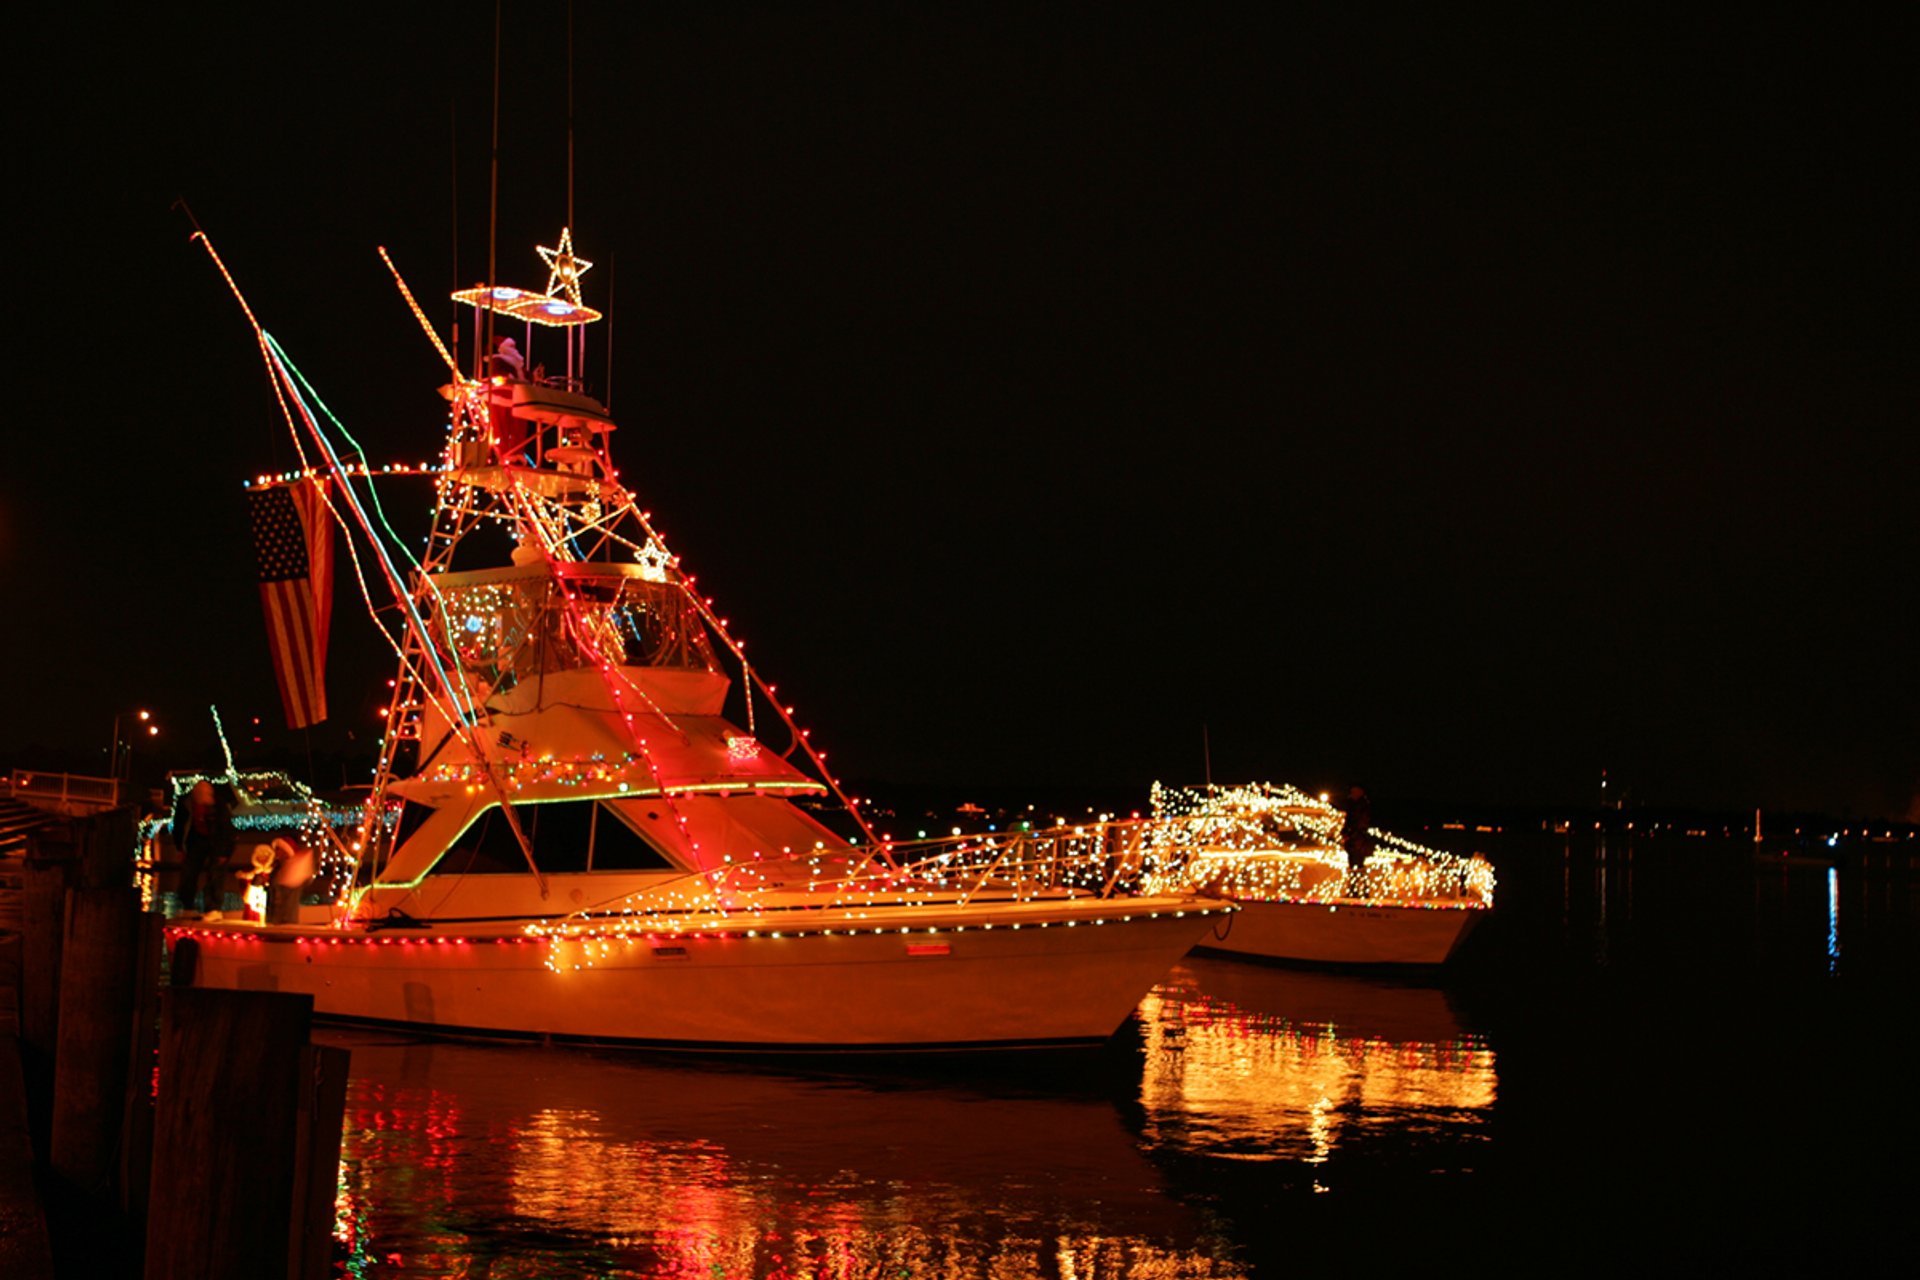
x: 1266, y: 842
x: 866, y: 890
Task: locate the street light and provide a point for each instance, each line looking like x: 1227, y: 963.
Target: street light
x: 121, y: 752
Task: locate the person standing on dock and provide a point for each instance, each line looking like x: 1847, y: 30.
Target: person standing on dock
x: 203, y: 832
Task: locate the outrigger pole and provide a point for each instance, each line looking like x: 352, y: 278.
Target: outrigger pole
x: 415, y: 624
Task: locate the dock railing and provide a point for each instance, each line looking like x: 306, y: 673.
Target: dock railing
x: 69, y: 793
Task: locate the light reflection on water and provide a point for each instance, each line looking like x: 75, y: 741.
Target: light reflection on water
x: 509, y: 1162
x: 1190, y: 1147
x: 1833, y: 920
x: 1256, y: 1063
x: 464, y: 1160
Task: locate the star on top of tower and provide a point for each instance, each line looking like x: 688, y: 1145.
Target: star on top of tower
x: 564, y: 269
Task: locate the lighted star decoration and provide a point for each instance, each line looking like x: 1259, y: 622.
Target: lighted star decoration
x: 653, y: 560
x: 564, y: 269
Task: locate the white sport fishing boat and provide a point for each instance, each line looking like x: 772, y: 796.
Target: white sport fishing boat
x: 1278, y: 853
x: 576, y: 829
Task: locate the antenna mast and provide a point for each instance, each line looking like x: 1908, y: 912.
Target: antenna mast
x: 569, y: 112
x: 493, y: 199
x: 576, y: 341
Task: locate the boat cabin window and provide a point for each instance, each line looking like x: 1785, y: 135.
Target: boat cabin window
x: 566, y: 835
x: 511, y: 630
x: 411, y: 816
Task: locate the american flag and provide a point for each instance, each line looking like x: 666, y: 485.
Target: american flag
x: 293, y: 542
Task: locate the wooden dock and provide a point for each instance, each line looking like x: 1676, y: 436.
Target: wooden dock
x: 83, y: 1025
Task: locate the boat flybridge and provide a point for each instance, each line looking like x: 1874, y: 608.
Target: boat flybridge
x: 592, y: 818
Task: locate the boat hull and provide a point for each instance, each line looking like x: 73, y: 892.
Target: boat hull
x: 1052, y: 984
x: 1341, y: 933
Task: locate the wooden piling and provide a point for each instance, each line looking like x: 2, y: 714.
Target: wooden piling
x: 10, y: 990
x: 42, y: 925
x: 316, y: 1165
x: 233, y: 1065
x: 136, y: 1125
x: 26, y: 1252
x: 106, y: 849
x: 97, y: 974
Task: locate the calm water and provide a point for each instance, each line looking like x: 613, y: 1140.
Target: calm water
x: 1653, y: 1052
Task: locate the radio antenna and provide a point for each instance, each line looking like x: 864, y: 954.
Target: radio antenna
x: 493, y: 194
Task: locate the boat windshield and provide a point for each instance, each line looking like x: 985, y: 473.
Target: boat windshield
x: 509, y: 630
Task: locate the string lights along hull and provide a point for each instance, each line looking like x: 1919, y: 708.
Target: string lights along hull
x: 1342, y: 933
x: 1059, y: 976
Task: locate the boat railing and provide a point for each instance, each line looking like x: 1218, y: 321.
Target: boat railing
x: 1177, y: 855
x: 1101, y: 859
x: 1087, y: 860
x: 1400, y: 871
x: 1240, y: 856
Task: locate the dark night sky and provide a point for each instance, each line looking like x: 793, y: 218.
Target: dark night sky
x: 1457, y: 405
